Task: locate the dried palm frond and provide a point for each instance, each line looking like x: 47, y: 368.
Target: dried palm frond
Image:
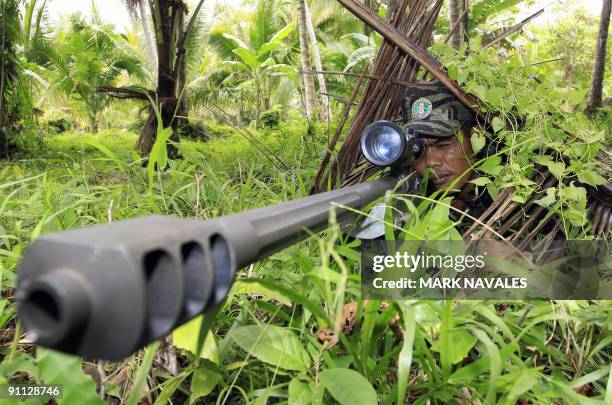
x: 398, y: 62
x: 415, y: 19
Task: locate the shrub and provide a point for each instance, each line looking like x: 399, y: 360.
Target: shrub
x: 60, y: 125
x: 270, y: 118
x: 215, y: 130
x: 195, y: 131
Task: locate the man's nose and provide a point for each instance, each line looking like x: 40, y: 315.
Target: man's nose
x: 432, y: 157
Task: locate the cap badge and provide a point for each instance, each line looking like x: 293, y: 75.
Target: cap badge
x: 421, y: 108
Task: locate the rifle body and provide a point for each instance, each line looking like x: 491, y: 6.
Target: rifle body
x: 106, y: 291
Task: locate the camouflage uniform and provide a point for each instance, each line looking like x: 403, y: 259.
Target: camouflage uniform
x: 430, y: 109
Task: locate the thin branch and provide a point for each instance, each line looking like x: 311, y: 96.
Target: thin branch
x: 124, y: 93
x: 330, y: 72
x: 512, y: 30
x: 340, y: 99
x: 542, y: 62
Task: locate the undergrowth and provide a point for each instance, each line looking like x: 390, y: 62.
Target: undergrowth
x: 263, y: 346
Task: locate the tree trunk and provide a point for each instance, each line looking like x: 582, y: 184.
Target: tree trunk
x: 166, y: 79
x: 3, y: 137
x: 93, y: 122
x: 311, y: 102
x: 181, y: 67
x: 463, y: 24
x: 595, y: 95
x: 150, y: 40
x: 455, y: 10
x: 325, y: 112
x: 257, y: 101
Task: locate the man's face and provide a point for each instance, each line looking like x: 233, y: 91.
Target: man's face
x: 448, y: 159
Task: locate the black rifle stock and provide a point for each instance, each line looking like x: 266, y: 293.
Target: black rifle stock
x: 105, y: 291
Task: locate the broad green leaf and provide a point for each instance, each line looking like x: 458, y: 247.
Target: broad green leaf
x: 348, y: 387
x: 575, y: 97
x: 476, y: 369
x: 283, y: 68
x: 495, y: 95
x: 294, y: 296
x: 556, y: 168
x: 237, y: 40
x: 478, y: 141
x: 168, y: 388
x: 453, y: 72
x: 59, y: 368
x: 591, y: 178
x: 526, y: 379
x: 256, y: 288
x: 491, y: 165
x: 203, y: 381
x: 234, y: 63
x: 282, y: 33
x: 476, y: 43
x: 461, y: 342
x: 300, y: 393
x: 481, y: 181
x: 498, y: 124
x: 247, y: 56
x: 266, y: 63
x: 273, y: 345
x: 549, y: 199
x: 186, y: 337
x: 21, y: 362
x: 266, y: 48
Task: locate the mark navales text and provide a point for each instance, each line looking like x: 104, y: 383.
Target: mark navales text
x: 452, y: 283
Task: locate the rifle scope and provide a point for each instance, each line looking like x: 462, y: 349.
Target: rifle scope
x: 384, y: 143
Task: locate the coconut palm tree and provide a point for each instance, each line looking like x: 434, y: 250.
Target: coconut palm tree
x: 457, y: 19
x: 310, y: 100
x: 595, y: 94
x: 325, y: 111
x: 13, y: 97
x: 254, y: 55
x: 87, y: 57
x: 174, y: 29
x: 138, y: 11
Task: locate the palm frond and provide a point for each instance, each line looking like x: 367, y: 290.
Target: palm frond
x: 265, y: 23
x: 222, y: 44
x: 486, y: 9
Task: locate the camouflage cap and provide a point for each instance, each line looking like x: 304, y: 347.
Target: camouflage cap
x: 430, y: 109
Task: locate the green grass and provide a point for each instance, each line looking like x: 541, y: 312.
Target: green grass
x: 262, y: 346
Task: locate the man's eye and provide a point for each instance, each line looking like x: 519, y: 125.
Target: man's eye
x: 444, y: 145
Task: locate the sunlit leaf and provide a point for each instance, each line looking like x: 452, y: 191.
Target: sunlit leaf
x: 273, y: 345
x: 348, y: 387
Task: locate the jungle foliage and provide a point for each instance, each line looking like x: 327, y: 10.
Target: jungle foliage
x: 77, y: 93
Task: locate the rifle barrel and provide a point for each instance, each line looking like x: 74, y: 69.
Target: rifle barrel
x: 105, y: 291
